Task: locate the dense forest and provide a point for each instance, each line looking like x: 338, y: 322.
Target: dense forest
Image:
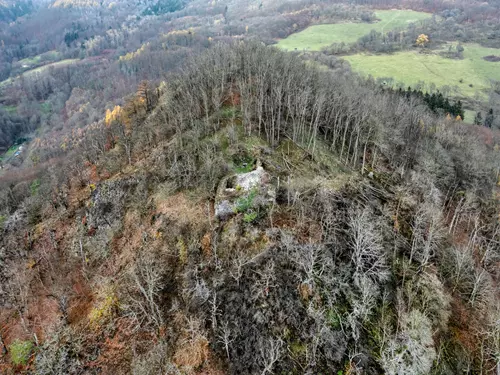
x: 179, y: 196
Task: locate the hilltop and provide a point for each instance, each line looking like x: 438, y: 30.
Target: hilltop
x: 264, y: 230
x: 179, y: 195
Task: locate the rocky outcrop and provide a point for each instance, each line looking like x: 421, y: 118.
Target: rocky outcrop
x: 247, y: 193
x: 107, y: 203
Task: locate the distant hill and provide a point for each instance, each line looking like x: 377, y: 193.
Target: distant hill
x: 80, y: 3
x: 11, y: 10
x: 151, y: 7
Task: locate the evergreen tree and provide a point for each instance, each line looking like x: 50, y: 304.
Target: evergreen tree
x: 436, y: 101
x: 446, y: 105
x: 478, y: 119
x: 164, y: 6
x: 459, y: 111
x: 490, y: 117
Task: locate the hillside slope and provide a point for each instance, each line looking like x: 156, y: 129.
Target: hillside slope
x: 255, y: 215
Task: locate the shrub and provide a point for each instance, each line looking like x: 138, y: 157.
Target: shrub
x: 60, y: 354
x: 35, y: 185
x: 244, y: 164
x: 105, y: 309
x: 154, y: 362
x: 432, y: 299
x: 183, y: 251
x: 20, y: 352
x: 229, y: 112
x: 250, y: 217
x: 333, y: 319
x: 245, y: 203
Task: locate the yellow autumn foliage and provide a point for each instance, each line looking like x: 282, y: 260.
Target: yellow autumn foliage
x: 422, y: 40
x: 113, y: 115
x: 104, y: 309
x: 132, y: 55
x: 191, y: 30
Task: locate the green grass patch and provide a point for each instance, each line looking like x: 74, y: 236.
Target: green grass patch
x: 30, y: 61
x: 470, y: 75
x: 35, y: 185
x: 20, y: 352
x: 46, y: 57
x: 250, y: 217
x: 298, y: 349
x: 55, y: 64
x: 243, y: 164
x: 333, y: 319
x: 316, y: 37
x: 10, y: 152
x: 469, y: 116
x: 11, y: 109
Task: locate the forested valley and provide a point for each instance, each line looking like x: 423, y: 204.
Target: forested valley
x: 181, y: 194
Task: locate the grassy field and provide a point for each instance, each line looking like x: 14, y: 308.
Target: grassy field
x: 40, y: 69
x: 314, y: 38
x: 31, y: 63
x: 412, y: 66
x: 30, y: 60
x: 55, y: 64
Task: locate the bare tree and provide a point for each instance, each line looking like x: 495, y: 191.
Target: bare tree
x: 427, y: 234
x: 368, y: 256
x: 226, y: 338
x: 239, y: 262
x: 459, y: 268
x: 142, y: 297
x: 482, y: 292
x: 214, y: 310
x: 271, y: 351
x: 310, y: 260
x: 265, y: 282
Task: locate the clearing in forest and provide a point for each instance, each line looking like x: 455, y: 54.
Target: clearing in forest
x: 39, y: 70
x: 316, y: 37
x: 54, y: 64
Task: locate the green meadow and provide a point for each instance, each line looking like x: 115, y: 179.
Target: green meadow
x: 316, y: 37
x: 54, y: 64
x: 31, y: 61
x: 465, y: 77
x: 470, y: 75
